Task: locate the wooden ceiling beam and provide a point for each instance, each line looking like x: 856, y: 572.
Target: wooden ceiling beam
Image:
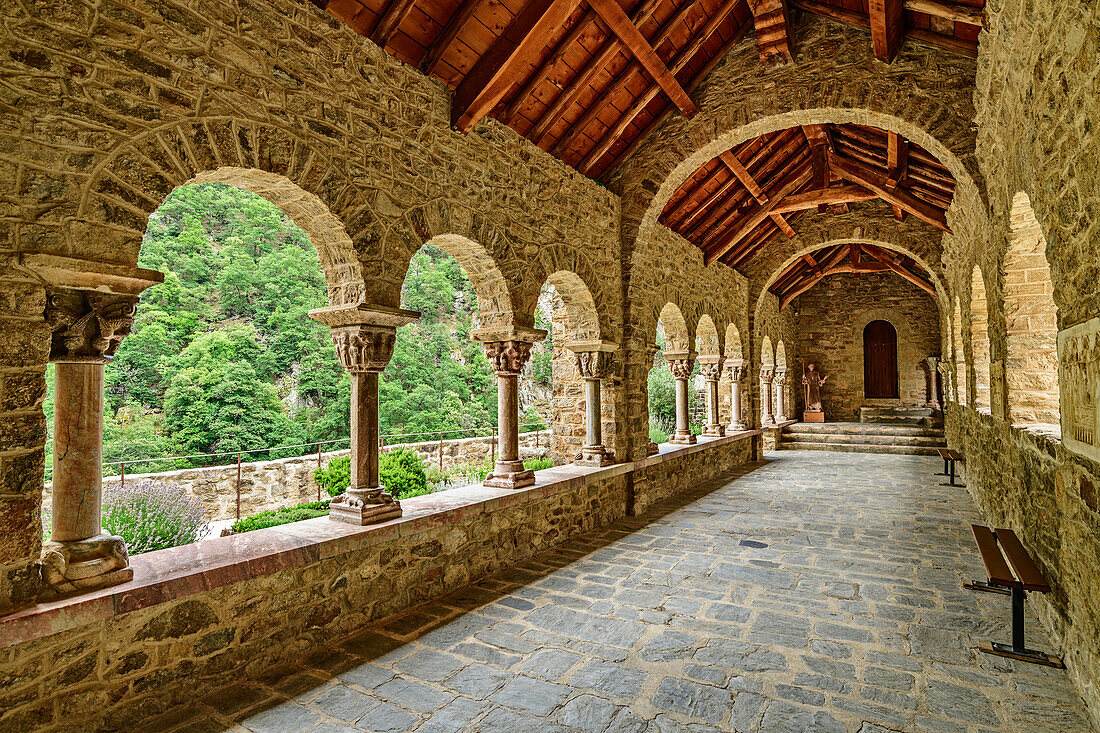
x: 901, y: 270
x: 848, y: 17
x: 731, y: 161
x: 793, y: 181
x: 582, y: 26
x: 580, y: 81
x: 897, y: 162
x: 887, y: 27
x: 948, y: 11
x: 447, y: 37
x: 612, y: 14
x: 782, y: 224
x: 772, y: 20
x: 874, y: 181
x: 624, y: 78
x: 828, y: 196
x: 591, y: 161
x: 520, y: 45
x: 391, y: 20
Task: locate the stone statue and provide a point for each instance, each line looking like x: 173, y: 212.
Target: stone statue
x: 813, y: 380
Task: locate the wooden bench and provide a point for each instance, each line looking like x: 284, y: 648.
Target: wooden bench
x: 949, y: 457
x: 994, y: 547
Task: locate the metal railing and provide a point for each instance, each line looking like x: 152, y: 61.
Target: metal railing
x: 122, y: 464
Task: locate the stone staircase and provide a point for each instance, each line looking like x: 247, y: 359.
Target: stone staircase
x: 899, y: 439
x: 892, y: 415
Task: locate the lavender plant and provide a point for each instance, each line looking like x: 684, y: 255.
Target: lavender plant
x: 153, y: 515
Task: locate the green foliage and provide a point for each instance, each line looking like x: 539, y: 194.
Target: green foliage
x: 660, y: 429
x: 662, y: 393
x: 152, y: 515
x: 334, y: 477
x: 402, y: 473
x: 286, y: 515
x: 537, y: 464
x: 531, y: 421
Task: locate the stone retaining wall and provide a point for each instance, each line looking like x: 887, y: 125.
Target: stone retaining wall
x: 288, y: 481
x: 125, y: 656
x: 1049, y: 497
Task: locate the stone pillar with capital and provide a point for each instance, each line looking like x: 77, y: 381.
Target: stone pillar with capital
x: 594, y: 365
x: 945, y: 370
x: 767, y: 374
x: 364, y: 336
x: 508, y: 350
x: 89, y: 310
x: 681, y: 363
x: 781, y: 394
x: 736, y: 373
x: 711, y: 369
x: 935, y: 400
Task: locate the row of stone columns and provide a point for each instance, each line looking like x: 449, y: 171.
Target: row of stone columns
x: 773, y: 385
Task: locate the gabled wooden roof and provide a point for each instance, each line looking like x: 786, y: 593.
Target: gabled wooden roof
x: 734, y: 205
x: 853, y: 259
x: 586, y: 79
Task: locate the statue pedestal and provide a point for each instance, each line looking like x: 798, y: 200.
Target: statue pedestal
x: 813, y: 416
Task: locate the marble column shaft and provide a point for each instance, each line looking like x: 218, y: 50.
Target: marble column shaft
x: 711, y: 369
x: 766, y: 376
x: 737, y: 421
x: 681, y: 364
x: 508, y: 358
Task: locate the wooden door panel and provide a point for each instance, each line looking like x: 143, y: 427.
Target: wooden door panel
x: 880, y: 361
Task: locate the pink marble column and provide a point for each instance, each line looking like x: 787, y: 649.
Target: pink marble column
x: 508, y: 358
x: 681, y: 363
x: 766, y: 376
x: 594, y: 365
x: 737, y: 421
x: 711, y: 369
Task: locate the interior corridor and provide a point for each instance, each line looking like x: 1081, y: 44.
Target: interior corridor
x: 811, y: 592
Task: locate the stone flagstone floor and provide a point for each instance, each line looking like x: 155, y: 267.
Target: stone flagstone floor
x: 811, y: 592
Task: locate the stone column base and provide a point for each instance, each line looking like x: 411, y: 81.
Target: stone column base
x: 736, y: 427
x: 653, y: 450
x: 593, y: 456
x: 683, y: 439
x: 364, y: 506
x: 509, y: 479
x: 714, y: 431
x: 82, y: 565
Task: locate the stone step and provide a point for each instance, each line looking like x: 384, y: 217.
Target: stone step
x: 927, y: 441
x: 901, y: 450
x: 922, y: 416
x: 855, y: 428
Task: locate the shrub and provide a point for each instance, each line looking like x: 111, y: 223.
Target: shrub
x: 335, y: 477
x: 659, y: 429
x: 153, y: 515
x: 537, y: 464
x: 402, y: 473
x: 401, y: 469
x: 286, y: 515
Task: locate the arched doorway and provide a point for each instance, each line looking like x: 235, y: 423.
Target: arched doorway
x: 880, y: 361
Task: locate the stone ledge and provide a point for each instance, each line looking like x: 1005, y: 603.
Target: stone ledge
x: 169, y: 575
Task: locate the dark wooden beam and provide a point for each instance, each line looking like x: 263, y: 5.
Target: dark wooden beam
x: 592, y: 159
x: 519, y: 46
x: 897, y: 162
x: 946, y: 43
x: 782, y: 224
x: 772, y: 19
x: 450, y: 32
x: 948, y: 11
x: 580, y: 81
x: 388, y: 24
x: 901, y: 270
x: 612, y: 14
x: 793, y: 181
x: 874, y: 181
x: 887, y: 27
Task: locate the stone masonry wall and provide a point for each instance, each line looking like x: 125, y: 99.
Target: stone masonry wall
x: 832, y: 316
x: 118, y: 673
x: 284, y: 482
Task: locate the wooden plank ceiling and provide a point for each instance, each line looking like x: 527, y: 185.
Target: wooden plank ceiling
x: 852, y: 259
x: 587, y: 79
x: 734, y: 205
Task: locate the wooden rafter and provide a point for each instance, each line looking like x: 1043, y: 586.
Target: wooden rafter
x: 451, y: 31
x: 824, y: 197
x: 880, y: 184
x: 632, y: 38
x: 517, y: 47
x: 803, y: 274
x: 894, y: 263
x: 391, y: 20
x: 595, y: 65
x: 887, y: 19
x: 848, y: 17
x: 948, y: 11
x: 772, y: 19
x: 897, y: 163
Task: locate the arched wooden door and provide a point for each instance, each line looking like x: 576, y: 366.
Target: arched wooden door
x: 880, y: 360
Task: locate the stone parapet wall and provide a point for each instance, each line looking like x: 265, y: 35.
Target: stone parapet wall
x: 1051, y: 498
x: 244, y: 603
x: 288, y: 481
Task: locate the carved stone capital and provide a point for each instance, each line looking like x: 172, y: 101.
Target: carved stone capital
x: 737, y: 372
x: 711, y: 370
x: 781, y: 375
x: 767, y: 374
x: 593, y: 358
x: 681, y: 363
x: 364, y: 349
x: 507, y: 357
x: 87, y: 325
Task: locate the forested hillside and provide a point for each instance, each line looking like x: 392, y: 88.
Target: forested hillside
x: 223, y: 357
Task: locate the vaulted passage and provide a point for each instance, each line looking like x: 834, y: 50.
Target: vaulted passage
x: 802, y: 593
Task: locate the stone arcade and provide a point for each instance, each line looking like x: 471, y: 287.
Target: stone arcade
x: 906, y: 196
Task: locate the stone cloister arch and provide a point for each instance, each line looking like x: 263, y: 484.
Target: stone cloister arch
x: 1031, y: 321
x: 979, y: 341
x: 677, y: 334
x: 706, y: 338
x: 734, y: 349
x: 494, y: 301
x: 962, y: 388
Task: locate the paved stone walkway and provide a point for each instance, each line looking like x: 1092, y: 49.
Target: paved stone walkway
x: 814, y: 592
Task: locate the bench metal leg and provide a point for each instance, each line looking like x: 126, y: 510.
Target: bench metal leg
x: 1018, y: 650
x: 944, y: 472
x: 988, y: 587
x: 952, y: 475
